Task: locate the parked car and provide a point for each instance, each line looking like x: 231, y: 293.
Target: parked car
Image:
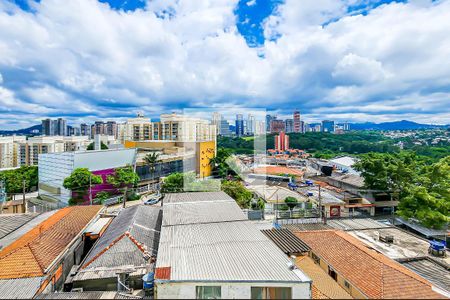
x: 153, y: 200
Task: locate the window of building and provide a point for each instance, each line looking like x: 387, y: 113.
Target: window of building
x: 271, y: 293
x: 208, y: 292
x: 332, y: 273
x: 315, y: 258
x: 347, y: 285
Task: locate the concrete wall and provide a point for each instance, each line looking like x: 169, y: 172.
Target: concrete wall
x: 187, y: 290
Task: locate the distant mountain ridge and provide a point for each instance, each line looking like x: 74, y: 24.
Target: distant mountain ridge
x: 396, y: 125
x: 24, y: 131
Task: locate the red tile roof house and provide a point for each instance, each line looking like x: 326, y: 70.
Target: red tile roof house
x: 40, y: 260
x: 362, y: 272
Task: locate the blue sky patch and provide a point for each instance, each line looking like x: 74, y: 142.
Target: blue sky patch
x: 250, y: 16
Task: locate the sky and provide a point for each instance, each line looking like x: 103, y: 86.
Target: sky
x: 347, y: 60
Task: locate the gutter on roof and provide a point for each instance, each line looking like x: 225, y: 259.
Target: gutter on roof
x: 232, y: 281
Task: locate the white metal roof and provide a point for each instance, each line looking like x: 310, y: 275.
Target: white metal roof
x: 206, y: 237
x: 202, y: 212
x: 228, y: 251
x: 347, y: 161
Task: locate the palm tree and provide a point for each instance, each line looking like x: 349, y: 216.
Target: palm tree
x: 151, y: 159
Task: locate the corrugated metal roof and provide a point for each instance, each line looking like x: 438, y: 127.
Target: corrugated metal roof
x: 11, y: 222
x: 123, y: 243
x: 202, y: 212
x: 20, y: 288
x: 18, y: 232
x: 141, y: 221
x: 98, y: 225
x: 286, y: 241
x: 104, y: 272
x: 356, y: 224
x: 195, y: 197
x: 436, y: 273
x: 227, y: 251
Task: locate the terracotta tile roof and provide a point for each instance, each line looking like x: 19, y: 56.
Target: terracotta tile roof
x: 324, y: 287
x: 372, y: 273
x: 275, y: 170
x: 34, y: 252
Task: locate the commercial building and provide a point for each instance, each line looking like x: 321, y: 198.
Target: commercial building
x: 224, y: 128
x: 208, y: 249
x: 174, y: 157
x: 362, y: 272
x: 40, y: 260
x: 54, y: 127
x: 289, y: 125
x: 269, y: 119
x: 344, y: 164
x: 216, y: 121
x: 55, y: 167
x: 250, y: 125
x: 282, y: 142
x: 260, y: 127
x: 297, y: 122
x: 277, y: 126
x: 239, y: 125
x: 124, y: 253
x: 327, y: 126
x: 9, y: 151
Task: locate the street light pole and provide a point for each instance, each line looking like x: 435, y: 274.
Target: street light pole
x: 90, y: 189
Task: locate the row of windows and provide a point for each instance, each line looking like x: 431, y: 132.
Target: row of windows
x: 215, y: 292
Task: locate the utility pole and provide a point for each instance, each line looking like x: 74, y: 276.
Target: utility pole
x: 90, y: 188
x: 24, y: 184
x: 320, y: 203
x: 2, y: 195
x: 125, y: 197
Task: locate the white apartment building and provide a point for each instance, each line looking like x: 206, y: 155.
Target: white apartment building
x: 9, y: 148
x: 29, y: 150
x: 175, y: 127
x: 136, y: 129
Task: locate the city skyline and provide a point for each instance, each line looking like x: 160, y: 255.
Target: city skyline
x: 331, y: 61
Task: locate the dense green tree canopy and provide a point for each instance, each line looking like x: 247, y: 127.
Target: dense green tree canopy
x: 103, y: 146
x: 187, y: 182
x: 237, y: 191
x: 123, y: 177
x: 291, y: 202
x: 79, y: 181
x: 14, y: 179
x: 423, y: 189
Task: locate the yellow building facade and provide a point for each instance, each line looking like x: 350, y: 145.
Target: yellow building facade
x: 204, y: 151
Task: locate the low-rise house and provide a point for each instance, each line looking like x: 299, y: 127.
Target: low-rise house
x: 128, y: 246
x: 208, y: 249
x: 13, y: 207
x: 40, y: 260
x: 362, y: 272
